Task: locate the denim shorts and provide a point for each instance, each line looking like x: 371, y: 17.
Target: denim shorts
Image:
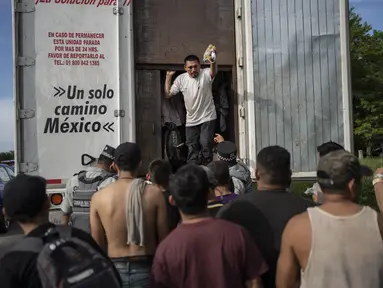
x: 134, y: 271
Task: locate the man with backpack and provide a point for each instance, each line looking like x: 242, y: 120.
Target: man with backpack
x: 81, y: 187
x: 49, y: 256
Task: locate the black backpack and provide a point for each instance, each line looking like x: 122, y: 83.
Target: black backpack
x: 173, y: 145
x: 68, y: 262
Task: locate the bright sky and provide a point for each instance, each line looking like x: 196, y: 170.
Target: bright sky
x: 369, y: 9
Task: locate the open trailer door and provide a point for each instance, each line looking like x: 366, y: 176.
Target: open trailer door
x: 74, y: 75
x: 296, y: 90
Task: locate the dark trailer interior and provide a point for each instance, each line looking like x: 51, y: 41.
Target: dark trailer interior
x: 165, y: 32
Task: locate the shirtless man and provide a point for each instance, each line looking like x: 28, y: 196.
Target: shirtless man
x: 108, y: 217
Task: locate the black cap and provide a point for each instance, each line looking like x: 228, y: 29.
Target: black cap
x: 338, y: 168
x: 227, y: 151
x: 24, y: 196
x: 108, y: 152
x: 127, y: 154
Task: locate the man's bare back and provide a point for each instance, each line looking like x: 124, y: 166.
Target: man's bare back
x: 108, y: 210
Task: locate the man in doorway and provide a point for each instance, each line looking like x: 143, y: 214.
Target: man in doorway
x: 132, y: 216
x: 196, y: 86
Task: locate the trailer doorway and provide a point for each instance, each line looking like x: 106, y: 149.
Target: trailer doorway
x: 224, y: 101
x: 165, y: 32
x: 150, y: 114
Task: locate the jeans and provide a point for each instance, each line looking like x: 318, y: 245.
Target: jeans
x: 134, y: 271
x: 200, y: 141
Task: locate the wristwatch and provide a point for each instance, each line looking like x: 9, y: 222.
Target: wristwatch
x: 378, y: 178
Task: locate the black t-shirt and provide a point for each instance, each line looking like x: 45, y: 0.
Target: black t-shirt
x: 18, y: 268
x: 264, y: 214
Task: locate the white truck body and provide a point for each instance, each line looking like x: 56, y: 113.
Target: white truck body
x: 74, y: 86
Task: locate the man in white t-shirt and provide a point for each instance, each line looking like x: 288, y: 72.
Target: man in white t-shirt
x: 196, y: 86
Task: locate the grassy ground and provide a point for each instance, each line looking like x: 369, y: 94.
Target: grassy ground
x: 366, y: 195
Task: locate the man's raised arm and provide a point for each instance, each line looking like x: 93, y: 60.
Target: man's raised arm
x: 169, y: 90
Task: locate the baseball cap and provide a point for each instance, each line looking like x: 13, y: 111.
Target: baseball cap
x: 210, y: 176
x: 108, y: 152
x: 127, y: 154
x: 336, y: 169
x: 24, y: 196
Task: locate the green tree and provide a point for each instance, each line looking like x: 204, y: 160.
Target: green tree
x: 7, y: 156
x: 366, y: 47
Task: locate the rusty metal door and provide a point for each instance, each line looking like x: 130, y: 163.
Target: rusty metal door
x: 166, y: 31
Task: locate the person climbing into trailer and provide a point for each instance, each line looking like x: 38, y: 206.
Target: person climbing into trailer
x: 81, y: 187
x: 130, y: 215
x: 196, y: 86
x: 240, y: 175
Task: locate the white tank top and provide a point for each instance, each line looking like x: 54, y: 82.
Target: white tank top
x: 346, y: 252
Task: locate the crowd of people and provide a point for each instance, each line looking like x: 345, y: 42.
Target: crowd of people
x: 190, y: 229
x: 203, y: 225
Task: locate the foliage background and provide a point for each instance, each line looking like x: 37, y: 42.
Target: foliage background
x: 366, y: 47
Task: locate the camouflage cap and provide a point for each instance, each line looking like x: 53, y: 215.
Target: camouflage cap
x: 336, y: 169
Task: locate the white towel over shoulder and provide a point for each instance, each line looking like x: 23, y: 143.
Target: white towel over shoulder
x: 134, y: 212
